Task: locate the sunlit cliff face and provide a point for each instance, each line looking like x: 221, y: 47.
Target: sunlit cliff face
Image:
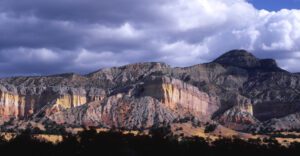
x: 17, y: 105
x: 180, y: 96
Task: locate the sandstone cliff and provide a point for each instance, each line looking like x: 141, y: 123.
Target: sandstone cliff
x: 237, y: 90
x: 153, y: 102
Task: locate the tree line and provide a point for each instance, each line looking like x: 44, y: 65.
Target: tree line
x: 160, y: 142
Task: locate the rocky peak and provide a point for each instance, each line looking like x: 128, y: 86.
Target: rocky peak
x: 244, y: 59
x: 237, y: 90
x: 239, y: 58
x: 270, y: 65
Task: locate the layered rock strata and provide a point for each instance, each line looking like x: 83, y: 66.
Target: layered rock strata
x: 237, y: 90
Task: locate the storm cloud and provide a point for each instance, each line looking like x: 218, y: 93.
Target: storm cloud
x: 45, y: 37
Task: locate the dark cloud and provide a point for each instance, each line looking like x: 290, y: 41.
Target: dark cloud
x: 44, y: 37
x: 90, y: 11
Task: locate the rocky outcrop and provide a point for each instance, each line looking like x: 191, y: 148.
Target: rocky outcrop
x: 274, y: 94
x: 118, y: 111
x: 23, y: 102
x: 180, y: 96
x: 237, y: 90
x: 9, y: 103
x: 287, y: 123
x: 156, y: 101
x: 238, y: 118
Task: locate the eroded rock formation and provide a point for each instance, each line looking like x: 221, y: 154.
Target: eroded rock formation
x: 157, y: 100
x: 237, y: 90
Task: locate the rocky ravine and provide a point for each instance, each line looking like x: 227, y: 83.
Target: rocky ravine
x: 236, y: 90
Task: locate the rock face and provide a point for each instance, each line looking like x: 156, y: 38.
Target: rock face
x: 25, y: 102
x: 155, y: 101
x: 180, y: 96
x: 238, y: 117
x: 237, y: 90
x: 290, y: 122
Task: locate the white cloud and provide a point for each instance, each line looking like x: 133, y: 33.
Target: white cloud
x: 236, y: 24
x: 182, y: 53
x: 290, y: 64
x: 28, y: 55
x: 125, y: 31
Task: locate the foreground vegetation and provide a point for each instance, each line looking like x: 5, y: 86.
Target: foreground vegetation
x: 160, y: 142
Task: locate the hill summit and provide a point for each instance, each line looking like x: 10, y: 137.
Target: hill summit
x: 237, y: 90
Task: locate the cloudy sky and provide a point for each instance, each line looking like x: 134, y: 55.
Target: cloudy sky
x: 55, y: 36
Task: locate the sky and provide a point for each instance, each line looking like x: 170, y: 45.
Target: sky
x: 276, y: 5
x: 41, y: 37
